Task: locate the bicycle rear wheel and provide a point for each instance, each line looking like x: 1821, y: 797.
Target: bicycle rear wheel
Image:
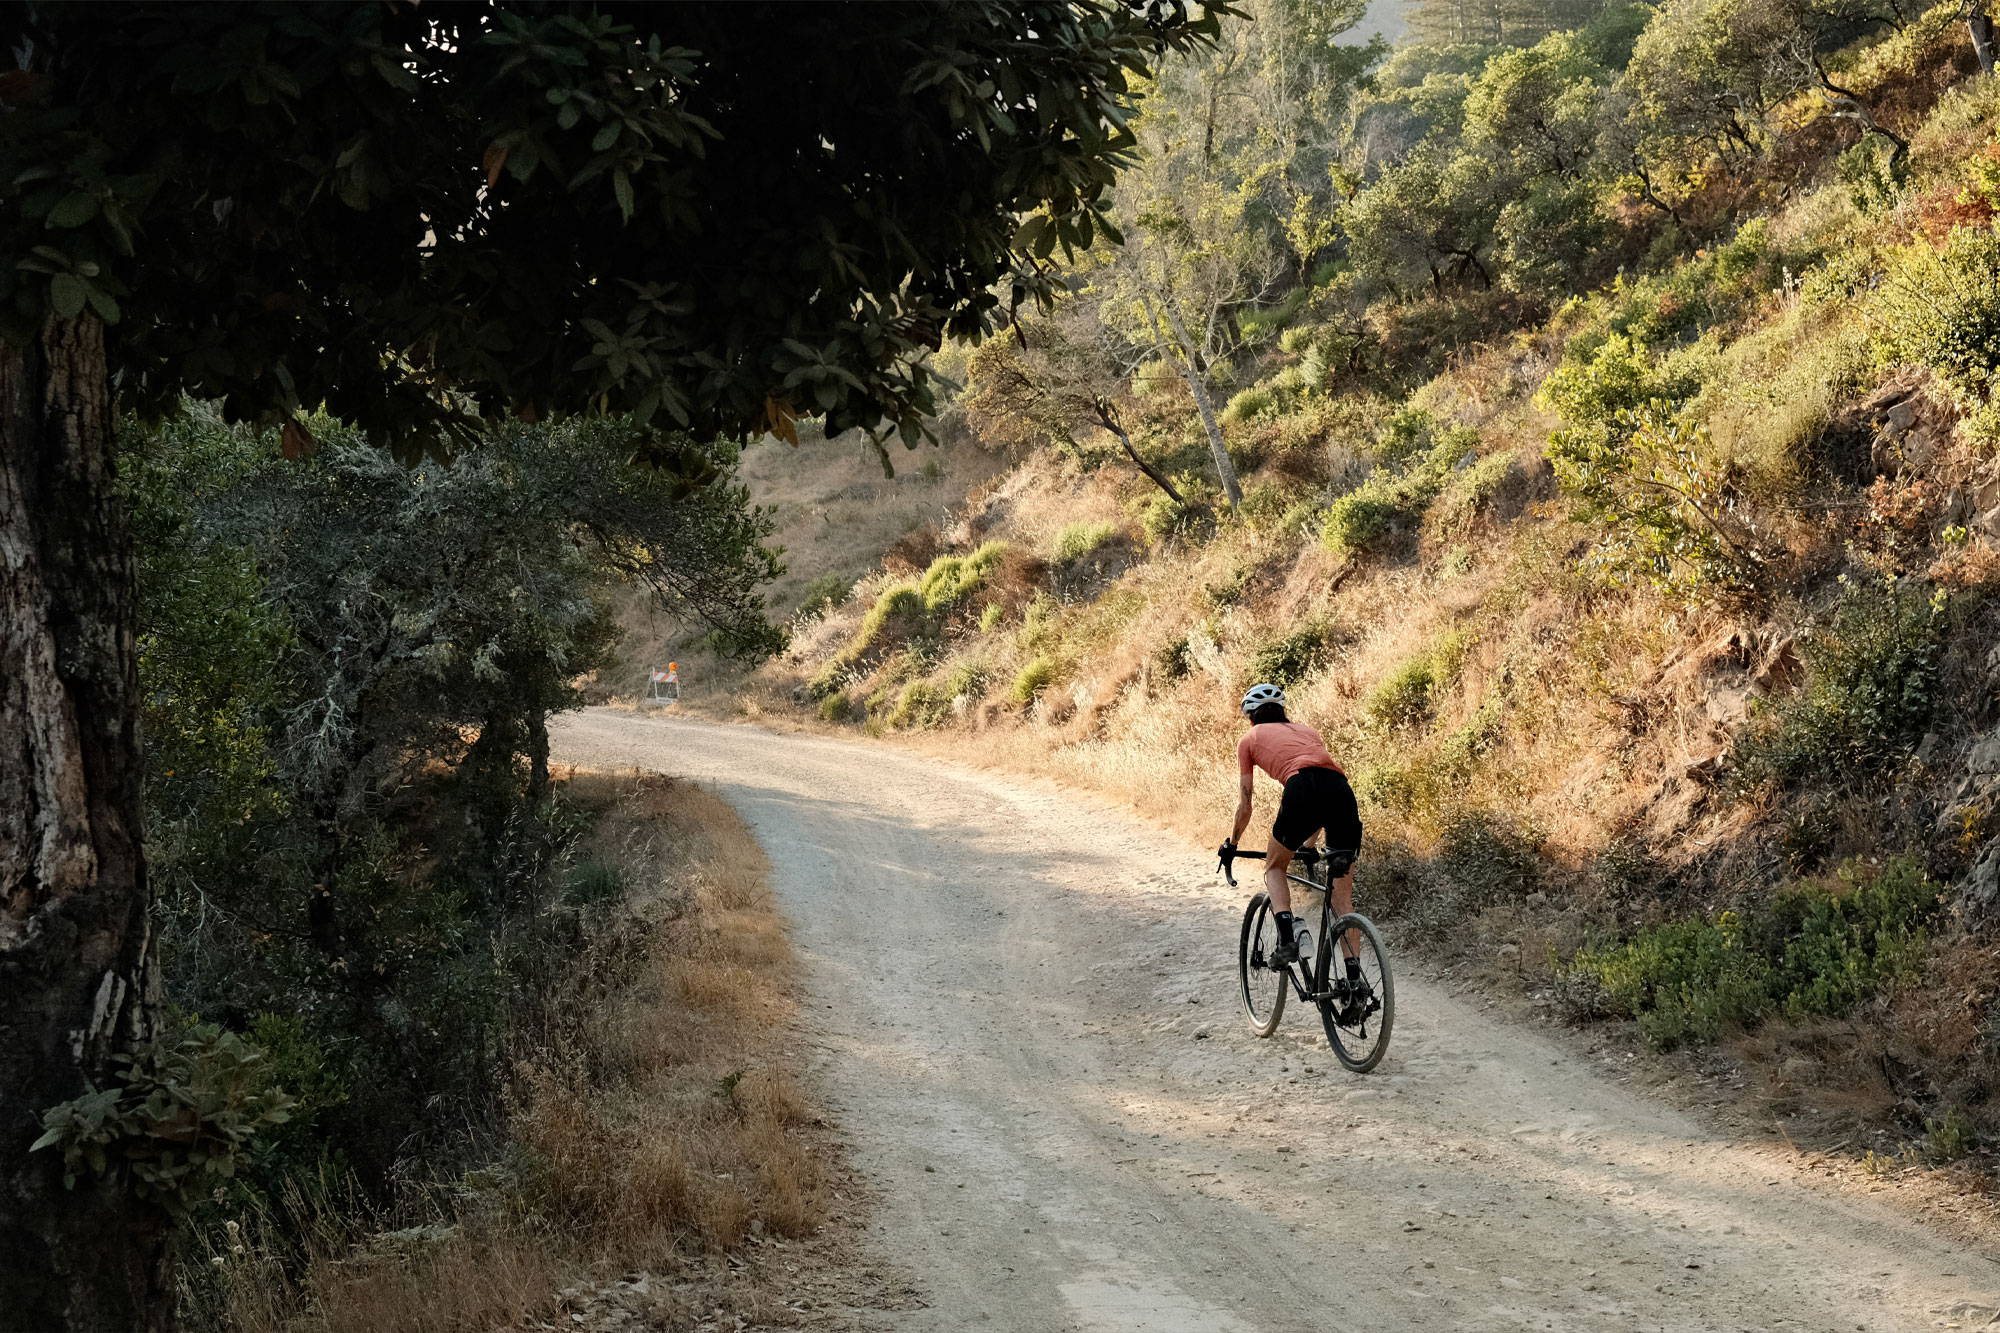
x: 1263, y: 989
x: 1357, y: 1021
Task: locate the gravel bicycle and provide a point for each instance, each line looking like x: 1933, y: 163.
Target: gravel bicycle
x: 1358, y: 1013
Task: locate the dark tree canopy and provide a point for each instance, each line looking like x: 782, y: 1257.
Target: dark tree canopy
x: 719, y: 216
x: 710, y: 219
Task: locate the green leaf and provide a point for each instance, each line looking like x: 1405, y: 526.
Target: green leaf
x: 605, y: 137
x: 102, y: 302
x: 67, y: 294
x: 621, y: 184
x: 73, y: 210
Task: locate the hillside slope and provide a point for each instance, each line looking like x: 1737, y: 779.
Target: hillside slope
x: 1656, y: 626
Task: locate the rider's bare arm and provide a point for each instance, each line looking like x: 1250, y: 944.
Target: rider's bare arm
x: 1243, y: 808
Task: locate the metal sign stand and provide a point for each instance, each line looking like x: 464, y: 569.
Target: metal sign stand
x: 664, y: 687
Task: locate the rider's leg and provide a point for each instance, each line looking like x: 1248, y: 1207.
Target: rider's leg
x: 1277, y: 861
x: 1343, y: 902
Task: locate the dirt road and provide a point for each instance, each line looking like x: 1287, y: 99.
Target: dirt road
x: 1030, y: 1031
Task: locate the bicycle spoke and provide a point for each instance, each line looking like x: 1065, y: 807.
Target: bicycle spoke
x: 1263, y: 989
x: 1357, y: 1008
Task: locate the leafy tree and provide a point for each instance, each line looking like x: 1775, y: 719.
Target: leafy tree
x: 1233, y: 196
x: 1509, y: 22
x: 422, y: 219
x: 404, y: 634
x: 1060, y: 378
x: 1428, y: 219
x: 1506, y: 193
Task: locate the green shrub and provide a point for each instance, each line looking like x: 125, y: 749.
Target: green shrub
x: 1411, y: 431
x: 836, y: 707
x: 1711, y: 288
x: 1266, y: 505
x: 1872, y: 175
x: 1359, y: 520
x: 1427, y: 782
x: 919, y: 706
x: 1418, y: 458
x: 1480, y: 862
x: 592, y: 883
x: 990, y: 618
x: 1039, y: 621
x: 1470, y: 491
x: 1032, y: 680
x: 1077, y: 542
x: 1258, y: 326
x: 1948, y: 1138
x: 1249, y: 404
x: 1407, y: 695
x: 1941, y: 309
x: 1173, y: 659
x: 1649, y: 481
x: 967, y: 680
x: 1873, y: 678
x: 178, y: 1117
x: 1831, y: 949
x: 1193, y: 518
x: 1813, y: 950
x: 1287, y: 658
x: 900, y: 611
x: 1685, y: 982
x: 953, y: 578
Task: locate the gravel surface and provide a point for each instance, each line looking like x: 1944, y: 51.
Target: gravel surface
x: 1024, y: 1003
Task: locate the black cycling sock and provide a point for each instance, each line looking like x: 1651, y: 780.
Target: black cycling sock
x: 1285, y: 927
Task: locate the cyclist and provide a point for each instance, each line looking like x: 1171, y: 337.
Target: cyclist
x: 1316, y: 798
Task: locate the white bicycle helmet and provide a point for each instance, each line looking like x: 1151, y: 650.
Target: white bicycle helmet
x: 1260, y: 695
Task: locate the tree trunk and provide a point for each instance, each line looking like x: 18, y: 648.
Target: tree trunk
x: 77, y: 985
x: 1106, y: 419
x: 1979, y: 26
x: 538, y: 756
x: 1189, y: 360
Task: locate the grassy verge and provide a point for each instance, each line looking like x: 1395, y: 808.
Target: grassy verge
x: 656, y: 1134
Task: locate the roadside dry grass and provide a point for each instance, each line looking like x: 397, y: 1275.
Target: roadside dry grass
x: 665, y: 1166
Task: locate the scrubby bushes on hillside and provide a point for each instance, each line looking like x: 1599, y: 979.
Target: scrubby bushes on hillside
x: 1814, y: 950
x: 1077, y: 542
x: 1407, y: 695
x: 1418, y: 457
x: 1645, y: 474
x: 952, y: 578
x: 1247, y: 405
x: 1873, y: 682
x: 897, y: 611
x: 1290, y: 656
x: 1942, y: 309
x: 1032, y: 679
x: 904, y: 610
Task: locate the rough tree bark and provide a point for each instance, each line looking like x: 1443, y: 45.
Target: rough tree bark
x: 77, y: 985
x: 1979, y: 27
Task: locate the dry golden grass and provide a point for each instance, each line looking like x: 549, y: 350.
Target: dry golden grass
x: 654, y: 1117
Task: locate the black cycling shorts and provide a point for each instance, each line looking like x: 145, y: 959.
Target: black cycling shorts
x: 1315, y: 799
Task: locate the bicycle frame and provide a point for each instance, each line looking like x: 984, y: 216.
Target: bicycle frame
x: 1322, y: 964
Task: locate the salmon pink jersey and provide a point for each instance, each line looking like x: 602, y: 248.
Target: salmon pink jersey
x: 1282, y: 749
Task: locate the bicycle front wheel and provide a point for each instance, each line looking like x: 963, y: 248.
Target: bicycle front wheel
x: 1357, y: 1010
x: 1263, y: 989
